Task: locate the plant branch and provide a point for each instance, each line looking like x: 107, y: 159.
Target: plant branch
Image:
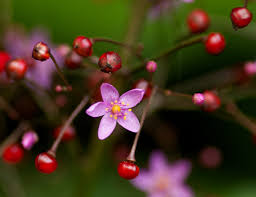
x: 8, y: 108
x: 245, y: 3
x: 131, y: 156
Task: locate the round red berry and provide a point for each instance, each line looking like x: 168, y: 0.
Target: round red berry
x: 198, y: 21
x: 211, y: 101
x: 240, y: 17
x: 144, y: 85
x: 46, y: 163
x: 13, y: 154
x: 41, y: 51
x: 69, y: 133
x: 4, y: 58
x: 110, y: 62
x: 128, y: 170
x: 73, y: 60
x: 215, y: 43
x: 16, y: 69
x: 82, y: 46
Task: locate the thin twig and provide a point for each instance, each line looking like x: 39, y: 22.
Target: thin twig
x: 245, y: 3
x: 8, y: 108
x: 67, y: 124
x: 131, y: 156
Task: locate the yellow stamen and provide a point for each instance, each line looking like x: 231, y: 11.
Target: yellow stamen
x: 125, y: 113
x: 112, y: 103
x: 111, y: 115
x: 115, y: 117
x: 129, y: 109
x: 123, y: 103
x: 116, y: 109
x: 115, y: 101
x: 106, y: 109
x: 124, y: 117
x: 127, y: 104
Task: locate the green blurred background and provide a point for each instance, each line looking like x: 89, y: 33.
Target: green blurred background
x: 236, y: 177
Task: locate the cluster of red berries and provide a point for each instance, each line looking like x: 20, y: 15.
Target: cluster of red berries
x: 44, y: 162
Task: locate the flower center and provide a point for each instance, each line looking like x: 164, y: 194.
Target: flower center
x: 162, y: 183
x: 116, y: 109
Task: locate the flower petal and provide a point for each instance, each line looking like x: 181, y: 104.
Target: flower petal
x: 180, y: 170
x: 132, y: 97
x: 97, y: 109
x: 108, y: 93
x: 131, y: 122
x: 144, y: 181
x: 180, y: 191
x: 107, y: 125
x: 158, y: 162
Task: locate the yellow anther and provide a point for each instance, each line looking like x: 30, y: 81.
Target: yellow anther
x: 127, y: 104
x: 129, y: 109
x: 115, y: 101
x: 112, y: 103
x: 111, y: 115
x: 125, y: 113
x: 115, y: 117
x: 116, y: 109
x: 124, y: 117
x: 123, y: 103
x: 106, y: 109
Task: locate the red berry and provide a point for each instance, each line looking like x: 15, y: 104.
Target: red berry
x: 41, y: 51
x: 46, y: 163
x: 4, y: 58
x: 69, y: 133
x: 16, y: 69
x: 110, y: 62
x: 240, y: 17
x: 211, y: 101
x: 144, y: 85
x: 82, y: 46
x: 128, y: 170
x: 198, y: 21
x: 13, y: 154
x: 73, y: 60
x: 215, y: 43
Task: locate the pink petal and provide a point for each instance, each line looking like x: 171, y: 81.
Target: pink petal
x: 180, y: 170
x: 108, y: 93
x: 144, y: 181
x: 158, y: 162
x: 97, y: 109
x: 131, y: 122
x: 132, y: 97
x: 107, y: 125
x: 180, y: 191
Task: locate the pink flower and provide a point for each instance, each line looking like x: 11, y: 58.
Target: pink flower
x: 116, y: 109
x: 163, y: 179
x: 29, y: 139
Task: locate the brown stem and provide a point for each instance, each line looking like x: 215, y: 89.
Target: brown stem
x: 172, y: 50
x: 172, y: 93
x: 245, y: 3
x: 67, y: 124
x: 240, y: 117
x: 8, y: 108
x: 14, y: 136
x: 133, y: 49
x: 131, y: 156
x: 59, y: 71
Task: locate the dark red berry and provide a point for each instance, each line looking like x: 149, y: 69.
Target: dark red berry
x: 13, y: 154
x: 240, y: 17
x: 16, y: 69
x: 82, y: 46
x: 110, y: 62
x: 46, y: 163
x: 198, y: 21
x: 41, y: 51
x: 4, y: 58
x: 73, y: 60
x: 215, y: 43
x: 69, y: 133
x: 211, y: 101
x: 145, y: 85
x: 128, y: 170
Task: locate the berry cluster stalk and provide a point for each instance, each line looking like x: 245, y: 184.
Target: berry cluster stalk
x: 131, y: 156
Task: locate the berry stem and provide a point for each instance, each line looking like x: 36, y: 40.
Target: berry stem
x: 172, y: 93
x: 135, y: 50
x: 14, y: 136
x: 8, y: 108
x: 240, y: 117
x: 131, y: 156
x: 59, y: 71
x: 77, y: 110
x: 245, y: 3
x: 172, y: 50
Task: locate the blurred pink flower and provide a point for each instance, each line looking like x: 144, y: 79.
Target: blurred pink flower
x: 20, y: 45
x: 116, y: 109
x: 164, y: 179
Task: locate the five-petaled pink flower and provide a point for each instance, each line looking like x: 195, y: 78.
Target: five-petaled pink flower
x: 164, y: 179
x: 116, y: 109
